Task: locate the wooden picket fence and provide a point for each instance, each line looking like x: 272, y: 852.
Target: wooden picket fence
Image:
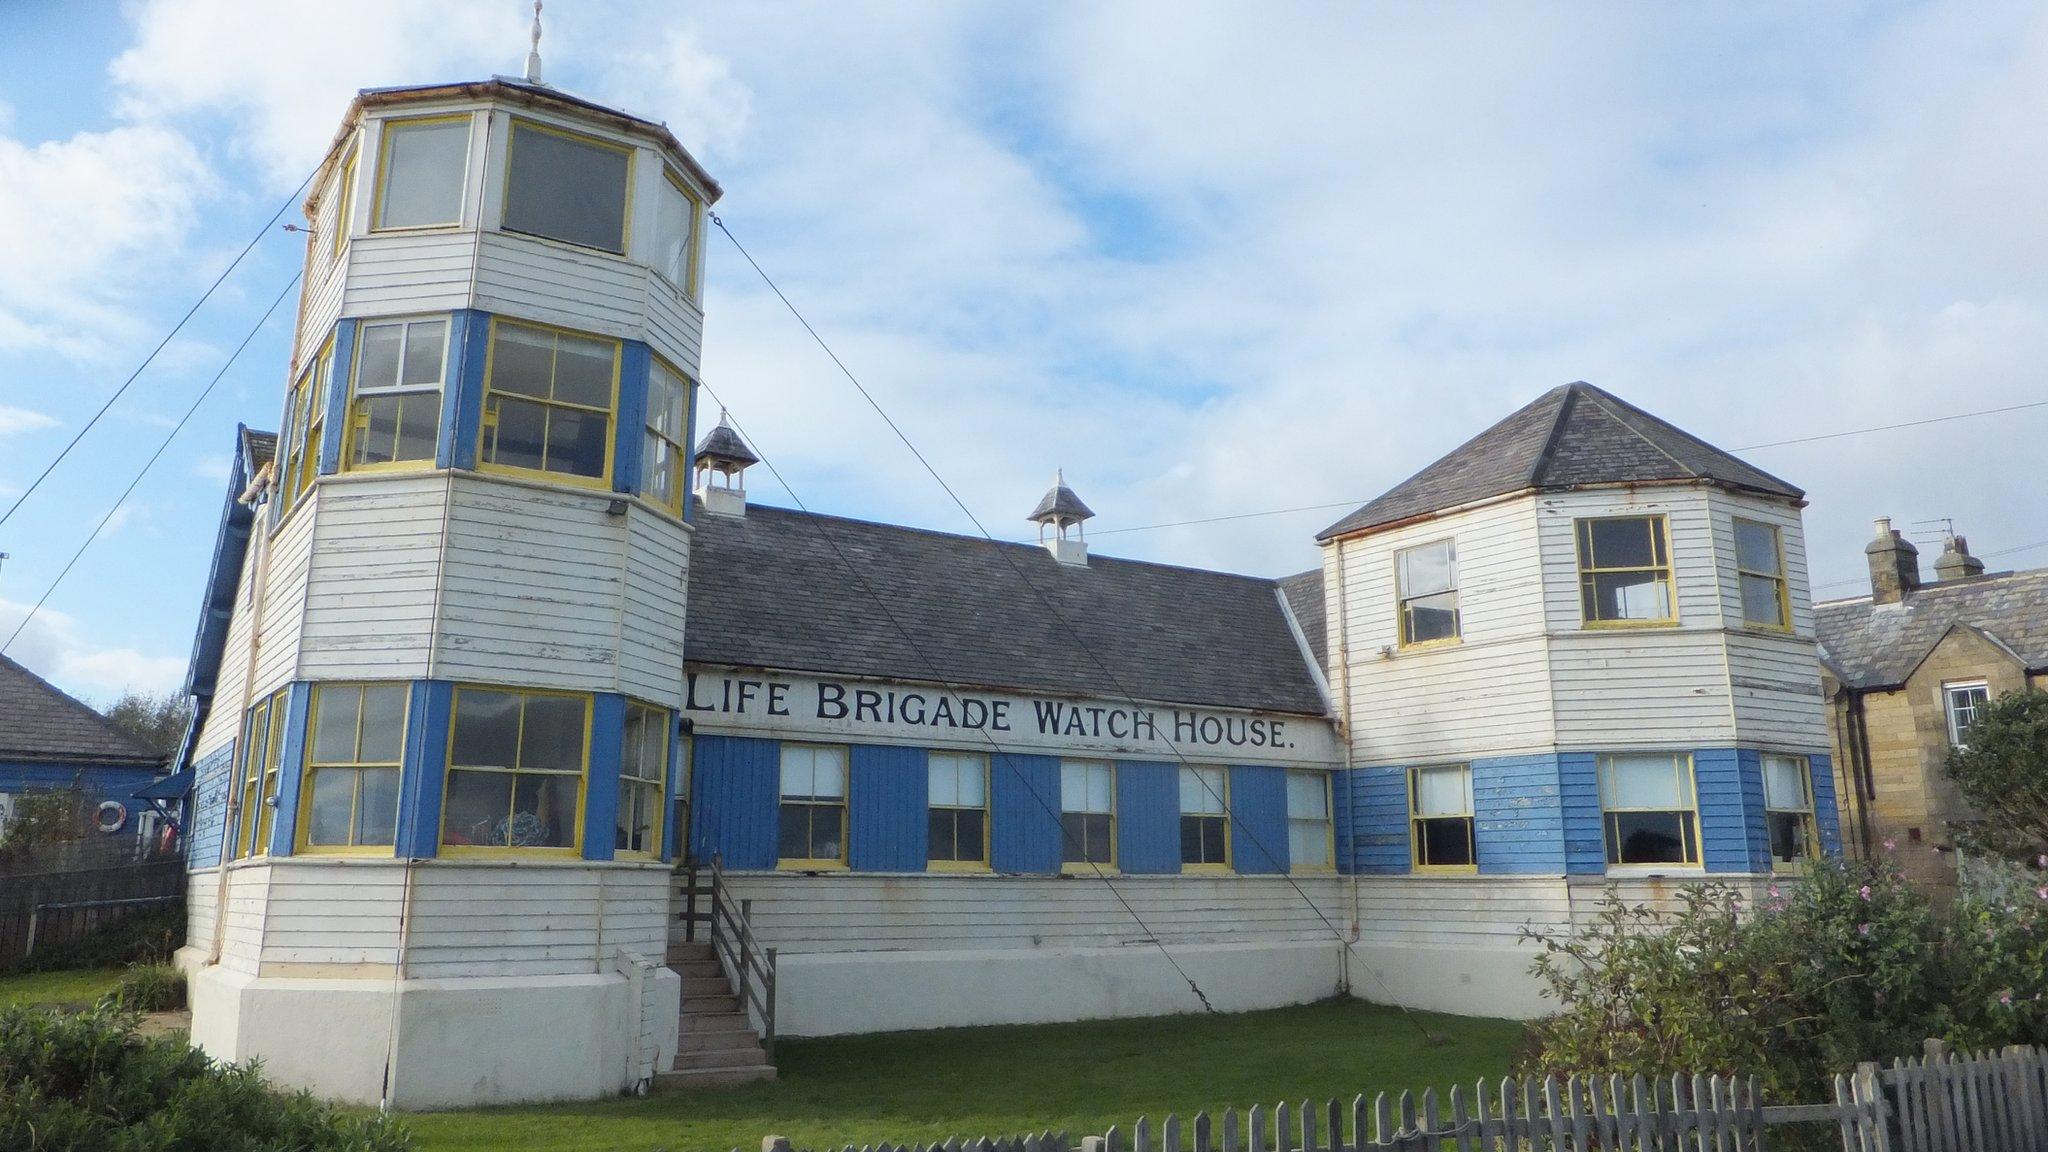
x: 1979, y: 1102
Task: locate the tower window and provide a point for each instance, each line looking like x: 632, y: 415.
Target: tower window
x: 958, y: 810
x: 352, y: 768
x: 1440, y: 803
x: 567, y: 187
x: 1788, y: 808
x: 1760, y: 566
x: 643, y: 779
x: 262, y: 746
x: 420, y: 178
x: 1087, y: 814
x: 515, y: 770
x: 1204, y: 820
x: 1649, y: 809
x: 812, y: 821
x: 677, y: 216
x: 1427, y: 576
x: 664, y: 459
x: 395, y: 417
x: 1311, y: 837
x: 548, y: 402
x: 344, y: 206
x: 305, y: 422
x: 1625, y: 571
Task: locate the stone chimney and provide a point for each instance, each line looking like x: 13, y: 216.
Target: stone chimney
x: 722, y: 461
x: 1894, y: 564
x: 1060, y: 510
x: 1956, y: 563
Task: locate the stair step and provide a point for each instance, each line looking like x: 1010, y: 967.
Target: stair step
x: 708, y: 1058
x: 734, y: 1041
x: 709, y: 985
x: 710, y: 1004
x: 689, y: 950
x: 713, y: 1077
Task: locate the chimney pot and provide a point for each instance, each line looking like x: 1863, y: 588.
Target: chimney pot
x: 1956, y: 563
x: 1894, y: 564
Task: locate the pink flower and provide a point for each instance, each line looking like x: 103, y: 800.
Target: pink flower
x: 1890, y: 844
x: 1865, y: 893
x: 2041, y: 860
x: 1863, y: 929
x: 2042, y: 892
x: 2005, y: 998
x: 1773, y: 890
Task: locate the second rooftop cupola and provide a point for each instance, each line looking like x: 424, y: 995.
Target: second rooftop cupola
x: 722, y: 461
x: 1058, y: 512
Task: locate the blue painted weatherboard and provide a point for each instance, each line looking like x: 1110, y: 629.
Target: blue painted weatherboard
x: 1827, y: 819
x: 735, y: 786
x: 210, y: 783
x: 1725, y: 808
x: 1585, y: 836
x: 1340, y: 821
x: 1376, y: 808
x: 1258, y: 819
x: 1147, y: 817
x: 1024, y: 802
x: 1518, y: 815
x: 601, y: 792
x: 462, y: 405
x: 291, y: 769
x: 428, y: 712
x: 340, y: 371
x: 887, y: 804
x: 629, y: 431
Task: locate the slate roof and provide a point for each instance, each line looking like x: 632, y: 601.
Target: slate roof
x: 1878, y: 645
x: 768, y: 591
x: 722, y: 443
x: 1571, y: 436
x: 1304, y: 592
x: 1060, y: 503
x: 40, y: 724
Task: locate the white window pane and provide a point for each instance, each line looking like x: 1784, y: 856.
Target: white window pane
x: 972, y: 779
x: 377, y: 358
x: 424, y: 165
x: 674, y: 217
x: 1426, y: 569
x: 1308, y: 796
x: 796, y: 771
x: 944, y: 787
x: 1073, y: 787
x: 1645, y: 782
x: 1647, y: 599
x: 1756, y: 547
x: 830, y: 768
x: 1443, y: 791
x: 424, y: 342
x: 1784, y: 782
x: 1201, y: 791
x: 1308, y: 844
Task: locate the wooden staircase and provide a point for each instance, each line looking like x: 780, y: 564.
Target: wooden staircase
x: 717, y: 1045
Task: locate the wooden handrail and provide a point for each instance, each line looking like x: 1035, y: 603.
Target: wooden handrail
x: 734, y: 944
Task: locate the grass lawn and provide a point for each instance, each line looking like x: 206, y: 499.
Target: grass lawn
x: 70, y: 988
x: 995, y: 1081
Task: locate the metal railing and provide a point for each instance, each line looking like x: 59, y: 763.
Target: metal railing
x: 727, y: 925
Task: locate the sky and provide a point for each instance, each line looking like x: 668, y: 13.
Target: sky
x: 1210, y: 259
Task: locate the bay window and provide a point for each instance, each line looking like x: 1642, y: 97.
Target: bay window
x: 1440, y: 817
x: 257, y: 778
x: 1625, y: 571
x: 677, y: 217
x: 1087, y: 815
x: 421, y: 173
x: 395, y: 416
x: 344, y: 206
x: 305, y: 423
x: 1760, y: 568
x: 1788, y: 809
x: 643, y: 780
x: 549, y: 397
x: 957, y: 810
x: 516, y: 767
x: 1649, y: 809
x: 1426, y: 584
x: 664, y: 460
x: 1204, y: 820
x: 1310, y: 833
x: 811, y: 822
x: 566, y: 186
x: 352, y: 766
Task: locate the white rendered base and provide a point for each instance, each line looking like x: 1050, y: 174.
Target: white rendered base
x: 833, y: 993
x: 1458, y: 980
x: 460, y: 1042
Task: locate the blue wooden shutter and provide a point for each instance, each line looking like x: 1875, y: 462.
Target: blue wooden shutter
x: 1024, y: 802
x: 886, y: 827
x: 735, y: 787
x: 1147, y: 817
x: 1258, y: 819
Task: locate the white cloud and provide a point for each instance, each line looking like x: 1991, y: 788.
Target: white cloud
x: 58, y: 648
x: 213, y: 469
x: 14, y: 421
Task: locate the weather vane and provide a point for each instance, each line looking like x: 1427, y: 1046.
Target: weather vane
x: 533, y: 48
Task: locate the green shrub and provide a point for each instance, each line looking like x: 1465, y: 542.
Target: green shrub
x: 150, y: 988
x: 1848, y: 964
x: 87, y: 1083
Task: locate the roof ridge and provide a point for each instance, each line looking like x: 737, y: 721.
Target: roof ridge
x: 1564, y: 409
x: 1600, y: 399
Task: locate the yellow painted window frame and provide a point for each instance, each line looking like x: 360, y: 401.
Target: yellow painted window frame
x: 1402, y: 598
x: 693, y: 260
x: 632, y: 154
x: 358, y: 409
x: 681, y: 447
x: 1782, y: 581
x: 305, y: 424
x: 1809, y: 811
x: 258, y: 780
x: 1582, y: 525
x: 575, y: 849
x: 384, y: 137
x: 658, y: 783
x: 303, y: 839
x: 808, y: 863
x: 1223, y: 867
x: 487, y: 425
x: 1328, y: 820
x: 1603, y: 763
x: 1083, y: 867
x: 344, y: 204
x: 1415, y: 819
x: 987, y: 811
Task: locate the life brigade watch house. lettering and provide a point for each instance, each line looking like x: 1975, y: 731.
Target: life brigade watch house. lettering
x: 477, y: 669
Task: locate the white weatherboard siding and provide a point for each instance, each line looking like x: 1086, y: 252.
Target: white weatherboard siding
x: 397, y: 274
x: 283, y: 609
x: 1688, y: 516
x: 1648, y: 687
x: 1777, y: 690
x: 370, y: 596
x: 657, y: 579
x: 1488, y: 694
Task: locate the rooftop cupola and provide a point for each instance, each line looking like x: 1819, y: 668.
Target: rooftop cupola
x: 722, y: 461
x: 1956, y: 563
x: 1060, y: 510
x: 1894, y: 564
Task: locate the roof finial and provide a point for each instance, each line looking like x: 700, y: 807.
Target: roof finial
x: 533, y: 49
